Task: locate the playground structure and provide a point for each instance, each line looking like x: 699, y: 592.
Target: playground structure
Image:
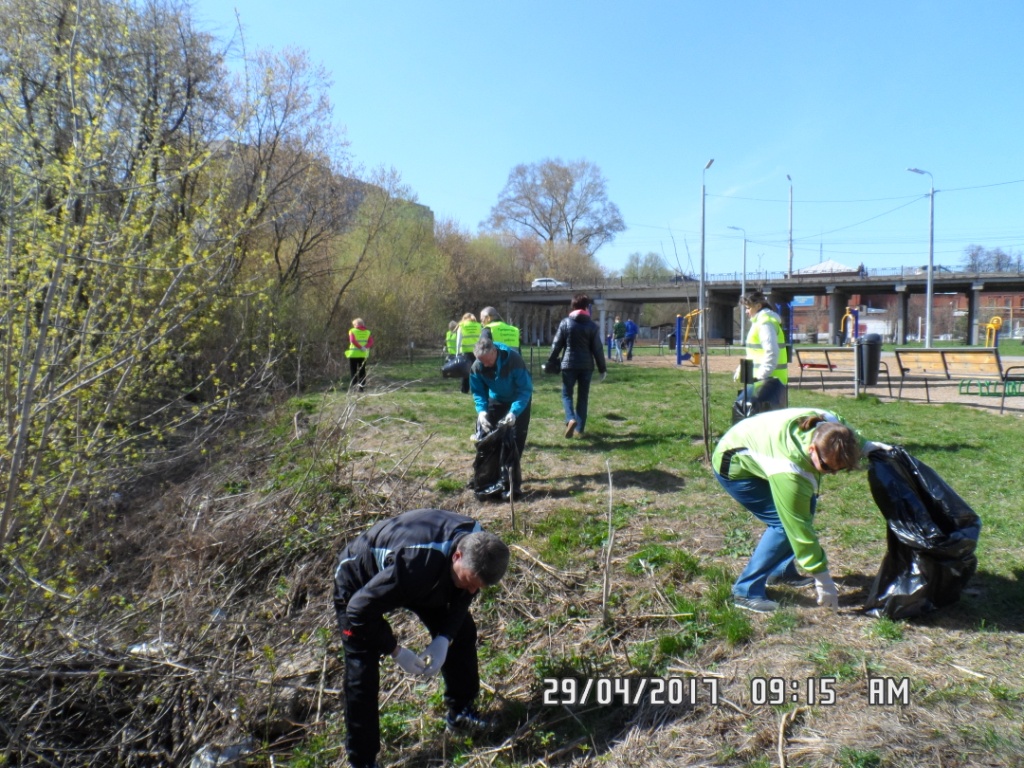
x: 693, y: 357
x: 992, y: 331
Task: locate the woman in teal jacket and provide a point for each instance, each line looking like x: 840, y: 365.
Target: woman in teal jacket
x: 772, y: 464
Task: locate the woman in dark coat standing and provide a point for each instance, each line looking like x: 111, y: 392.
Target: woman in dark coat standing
x: 580, y: 339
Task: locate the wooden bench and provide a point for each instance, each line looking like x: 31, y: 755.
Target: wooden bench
x: 839, y: 360
x: 979, y: 370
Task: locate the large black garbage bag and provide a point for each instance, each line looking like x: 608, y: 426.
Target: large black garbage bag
x: 496, y: 466
x: 456, y: 367
x: 770, y: 395
x: 932, y: 534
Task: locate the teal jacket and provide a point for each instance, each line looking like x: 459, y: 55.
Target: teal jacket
x: 507, y: 382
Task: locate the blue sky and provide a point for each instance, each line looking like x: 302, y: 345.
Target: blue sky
x: 843, y: 97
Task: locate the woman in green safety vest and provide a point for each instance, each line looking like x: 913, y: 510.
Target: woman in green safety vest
x: 451, y: 338
x: 360, y: 340
x: 466, y: 338
x: 499, y: 331
x: 765, y: 343
x: 773, y: 464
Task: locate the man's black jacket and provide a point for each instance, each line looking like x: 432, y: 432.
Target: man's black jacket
x: 404, y: 562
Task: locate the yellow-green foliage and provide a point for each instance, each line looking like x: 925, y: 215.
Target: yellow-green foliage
x: 120, y: 255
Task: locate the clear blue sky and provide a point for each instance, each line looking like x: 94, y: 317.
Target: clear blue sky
x: 843, y: 97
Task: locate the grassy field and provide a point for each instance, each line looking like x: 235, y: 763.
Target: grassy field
x: 656, y: 603
x: 624, y: 552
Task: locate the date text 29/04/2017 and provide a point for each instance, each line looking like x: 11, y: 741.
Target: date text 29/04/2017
x: 763, y: 691
x: 570, y: 691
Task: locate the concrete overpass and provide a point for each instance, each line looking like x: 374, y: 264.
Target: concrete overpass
x: 538, y: 311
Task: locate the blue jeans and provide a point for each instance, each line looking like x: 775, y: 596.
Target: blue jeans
x: 580, y: 380
x: 773, y: 555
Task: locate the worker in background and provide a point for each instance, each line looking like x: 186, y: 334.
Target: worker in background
x: 765, y: 345
x: 466, y: 338
x: 498, y: 330
x: 451, y: 339
x: 360, y: 340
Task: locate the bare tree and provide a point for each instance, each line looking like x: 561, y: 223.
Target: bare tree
x: 558, y: 202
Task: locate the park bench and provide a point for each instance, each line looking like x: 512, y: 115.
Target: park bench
x: 837, y: 360
x: 978, y: 369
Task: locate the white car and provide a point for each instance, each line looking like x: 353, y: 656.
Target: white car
x: 548, y: 282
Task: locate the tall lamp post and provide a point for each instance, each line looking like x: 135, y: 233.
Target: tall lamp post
x: 705, y: 379
x: 790, y: 272
x: 930, y: 285
x: 700, y: 303
x: 743, y: 286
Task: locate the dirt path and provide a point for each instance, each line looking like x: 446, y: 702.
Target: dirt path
x: 835, y: 386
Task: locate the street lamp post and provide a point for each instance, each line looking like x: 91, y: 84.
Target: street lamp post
x: 930, y: 285
x: 700, y: 303
x: 705, y: 383
x: 743, y: 286
x: 790, y: 272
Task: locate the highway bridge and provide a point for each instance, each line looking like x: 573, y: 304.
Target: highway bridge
x: 538, y: 310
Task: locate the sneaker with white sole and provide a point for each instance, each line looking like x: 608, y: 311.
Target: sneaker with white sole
x: 755, y: 604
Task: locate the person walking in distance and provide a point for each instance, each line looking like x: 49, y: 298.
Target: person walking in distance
x: 360, y: 341
x: 632, y: 331
x: 618, y: 337
x: 578, y: 344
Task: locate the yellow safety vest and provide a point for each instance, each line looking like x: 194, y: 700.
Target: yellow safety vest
x: 362, y: 336
x: 470, y: 334
x: 766, y: 322
x: 503, y: 333
x: 449, y: 341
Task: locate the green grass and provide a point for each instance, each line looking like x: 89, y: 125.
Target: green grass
x: 680, y: 542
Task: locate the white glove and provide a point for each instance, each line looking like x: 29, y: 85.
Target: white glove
x: 408, y: 661
x: 736, y: 375
x: 828, y: 595
x: 482, y: 422
x: 434, y: 655
x: 509, y: 419
x: 871, y: 447
x: 604, y: 375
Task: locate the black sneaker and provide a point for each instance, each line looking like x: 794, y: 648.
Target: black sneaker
x: 467, y: 720
x: 796, y: 582
x: 755, y: 604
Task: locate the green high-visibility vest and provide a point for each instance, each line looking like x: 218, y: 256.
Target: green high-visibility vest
x: 503, y: 333
x: 470, y: 334
x: 449, y: 342
x: 362, y: 336
x: 766, y: 322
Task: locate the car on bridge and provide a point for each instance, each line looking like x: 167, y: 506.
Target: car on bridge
x: 548, y: 282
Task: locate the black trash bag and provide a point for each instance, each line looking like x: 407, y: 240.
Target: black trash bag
x: 770, y: 395
x: 456, y: 367
x: 932, y: 534
x: 496, y: 466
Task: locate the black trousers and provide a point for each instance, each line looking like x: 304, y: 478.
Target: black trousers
x: 460, y: 672
x: 465, y: 381
x: 496, y: 411
x: 357, y: 371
